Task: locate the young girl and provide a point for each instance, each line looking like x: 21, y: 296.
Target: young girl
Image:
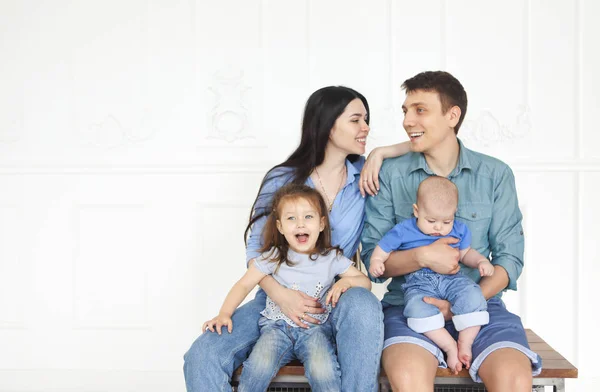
x: 297, y: 252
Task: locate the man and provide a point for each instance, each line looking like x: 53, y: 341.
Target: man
x: 434, y: 108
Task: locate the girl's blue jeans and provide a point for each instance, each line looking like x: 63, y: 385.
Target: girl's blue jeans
x: 279, y: 343
x: 357, y: 327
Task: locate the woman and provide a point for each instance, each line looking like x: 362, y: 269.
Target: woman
x: 329, y: 158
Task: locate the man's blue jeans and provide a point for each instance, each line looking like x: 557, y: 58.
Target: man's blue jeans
x: 279, y: 343
x: 357, y: 323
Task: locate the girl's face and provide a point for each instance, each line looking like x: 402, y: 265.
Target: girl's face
x: 349, y: 133
x: 300, y: 223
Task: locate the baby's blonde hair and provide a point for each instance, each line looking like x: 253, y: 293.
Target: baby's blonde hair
x: 438, y: 191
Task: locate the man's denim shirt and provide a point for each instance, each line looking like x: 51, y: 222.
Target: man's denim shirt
x: 487, y: 203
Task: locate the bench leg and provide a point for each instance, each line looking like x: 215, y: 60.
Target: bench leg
x: 560, y: 385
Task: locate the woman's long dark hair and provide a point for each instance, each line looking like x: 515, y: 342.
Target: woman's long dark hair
x: 276, y: 244
x: 322, y: 109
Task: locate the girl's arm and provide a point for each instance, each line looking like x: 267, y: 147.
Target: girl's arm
x: 369, y: 175
x: 351, y: 278
x: 234, y: 298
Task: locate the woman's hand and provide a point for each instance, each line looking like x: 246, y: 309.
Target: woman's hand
x: 369, y: 175
x: 442, y: 305
x: 217, y: 323
x: 336, y: 291
x: 296, y: 304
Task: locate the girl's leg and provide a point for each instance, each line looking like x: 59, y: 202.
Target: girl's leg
x: 358, y: 331
x: 316, y: 349
x: 272, y: 351
x: 212, y: 359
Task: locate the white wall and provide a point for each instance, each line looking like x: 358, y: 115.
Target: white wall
x: 134, y: 134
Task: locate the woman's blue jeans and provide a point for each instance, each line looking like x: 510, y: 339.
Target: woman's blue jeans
x: 358, y: 332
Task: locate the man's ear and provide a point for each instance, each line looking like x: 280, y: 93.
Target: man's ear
x: 415, y: 211
x: 453, y: 116
x: 278, y: 222
x: 322, y: 226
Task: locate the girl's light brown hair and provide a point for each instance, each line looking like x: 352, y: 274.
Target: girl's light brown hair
x: 275, y: 243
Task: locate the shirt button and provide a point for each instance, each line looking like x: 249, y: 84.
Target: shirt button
x: 473, y: 215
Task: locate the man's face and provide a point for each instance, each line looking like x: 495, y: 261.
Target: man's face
x: 424, y: 121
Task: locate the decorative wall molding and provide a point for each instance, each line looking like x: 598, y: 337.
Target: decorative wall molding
x: 487, y: 130
x: 229, y: 116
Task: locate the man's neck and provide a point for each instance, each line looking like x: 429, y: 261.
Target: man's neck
x: 444, y: 157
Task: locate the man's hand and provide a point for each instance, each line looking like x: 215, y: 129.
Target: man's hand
x: 442, y: 305
x: 440, y: 256
x: 296, y: 304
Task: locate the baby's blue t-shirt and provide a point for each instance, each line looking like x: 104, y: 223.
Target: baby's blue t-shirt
x: 313, y: 277
x: 406, y: 235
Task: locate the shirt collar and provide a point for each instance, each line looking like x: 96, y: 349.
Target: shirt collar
x: 418, y: 162
x: 352, y: 172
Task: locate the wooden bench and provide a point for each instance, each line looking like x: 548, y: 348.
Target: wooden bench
x: 555, y: 369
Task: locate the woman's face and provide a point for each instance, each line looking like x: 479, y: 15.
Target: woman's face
x: 349, y: 133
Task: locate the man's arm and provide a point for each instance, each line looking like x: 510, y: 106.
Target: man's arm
x: 379, y: 219
x: 506, y: 238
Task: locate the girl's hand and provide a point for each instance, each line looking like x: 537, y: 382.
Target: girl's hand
x: 336, y: 291
x: 486, y: 268
x: 442, y: 305
x: 217, y: 323
x: 296, y: 304
x: 369, y: 175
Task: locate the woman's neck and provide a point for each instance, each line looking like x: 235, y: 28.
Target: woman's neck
x: 333, y: 164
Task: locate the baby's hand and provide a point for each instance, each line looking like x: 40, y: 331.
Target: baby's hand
x: 486, y: 268
x: 336, y: 291
x: 217, y: 323
x: 377, y: 268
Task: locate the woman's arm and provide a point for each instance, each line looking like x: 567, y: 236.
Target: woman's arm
x: 293, y: 303
x: 369, y: 175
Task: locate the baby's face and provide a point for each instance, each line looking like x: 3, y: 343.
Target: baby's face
x: 435, y: 221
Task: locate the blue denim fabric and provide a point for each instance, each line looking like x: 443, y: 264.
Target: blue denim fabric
x: 357, y: 323
x: 464, y: 294
x: 279, y: 343
x: 503, y: 331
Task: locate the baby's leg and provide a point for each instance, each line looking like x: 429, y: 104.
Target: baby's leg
x: 466, y: 337
x: 446, y: 342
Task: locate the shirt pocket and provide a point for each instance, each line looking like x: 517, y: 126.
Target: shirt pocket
x: 403, y: 211
x: 477, y: 217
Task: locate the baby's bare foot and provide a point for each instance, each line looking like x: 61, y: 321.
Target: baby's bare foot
x: 464, y: 354
x: 454, y: 364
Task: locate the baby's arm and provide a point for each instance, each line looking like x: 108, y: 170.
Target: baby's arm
x: 378, y: 258
x: 236, y: 295
x: 351, y: 278
x: 471, y: 258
